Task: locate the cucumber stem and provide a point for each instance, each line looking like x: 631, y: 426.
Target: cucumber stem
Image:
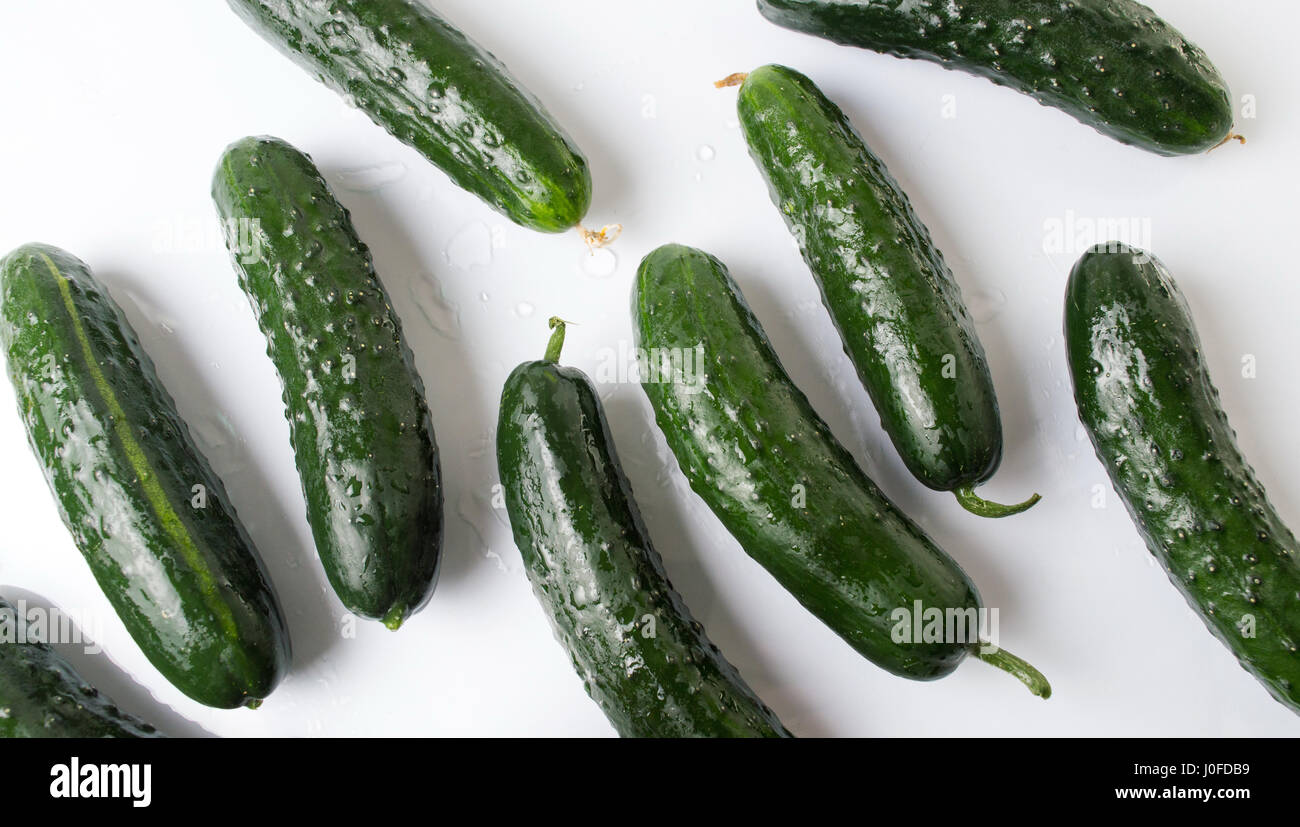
x: 556, y: 344
x: 983, y: 508
x: 1013, y: 665
x: 395, y: 618
x: 731, y: 80
x: 1232, y: 136
x: 599, y: 239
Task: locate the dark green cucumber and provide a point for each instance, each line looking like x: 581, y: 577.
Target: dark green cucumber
x: 433, y: 88
x: 42, y: 696
x: 642, y: 657
x: 360, y: 427
x: 1112, y: 64
x: 1146, y: 399
x: 758, y: 454
x: 886, y: 285
x: 142, y: 503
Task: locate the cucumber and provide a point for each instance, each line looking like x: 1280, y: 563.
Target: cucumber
x: 433, y: 88
x: 756, y: 452
x: 361, y: 430
x: 1146, y: 400
x: 886, y: 285
x: 42, y: 696
x: 142, y: 503
x: 642, y: 657
x: 1112, y: 64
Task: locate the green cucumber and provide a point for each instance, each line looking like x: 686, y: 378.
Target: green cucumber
x: 643, y: 659
x: 42, y: 696
x: 1112, y: 64
x: 1146, y: 400
x: 433, y: 88
x: 143, y: 505
x: 886, y: 285
x: 361, y: 430
x: 756, y: 452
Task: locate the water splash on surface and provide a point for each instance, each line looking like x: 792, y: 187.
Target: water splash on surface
x: 152, y: 313
x: 442, y: 314
x: 470, y: 248
x: 475, y: 510
x: 599, y: 263
x: 371, y: 178
x: 986, y: 305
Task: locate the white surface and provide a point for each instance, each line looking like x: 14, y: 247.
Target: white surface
x: 115, y: 114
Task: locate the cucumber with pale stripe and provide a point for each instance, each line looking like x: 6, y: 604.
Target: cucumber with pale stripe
x: 143, y: 505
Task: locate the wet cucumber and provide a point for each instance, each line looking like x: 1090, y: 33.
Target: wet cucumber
x: 1112, y: 64
x: 757, y: 453
x: 360, y: 427
x: 1146, y: 399
x: 885, y: 284
x: 643, y: 659
x: 142, y: 503
x: 42, y: 696
x: 419, y: 78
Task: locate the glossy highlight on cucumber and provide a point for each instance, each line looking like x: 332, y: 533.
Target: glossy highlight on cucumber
x: 359, y: 424
x: 642, y: 657
x: 1114, y: 65
x: 756, y: 452
x: 1147, y: 401
x: 150, y: 516
x: 433, y: 88
x: 886, y: 285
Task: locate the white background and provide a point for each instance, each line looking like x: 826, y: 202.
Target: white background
x: 114, y: 117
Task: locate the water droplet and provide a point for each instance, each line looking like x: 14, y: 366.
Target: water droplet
x: 523, y: 310
x: 484, y: 297
x: 600, y: 264
x: 470, y: 248
x: 706, y: 153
